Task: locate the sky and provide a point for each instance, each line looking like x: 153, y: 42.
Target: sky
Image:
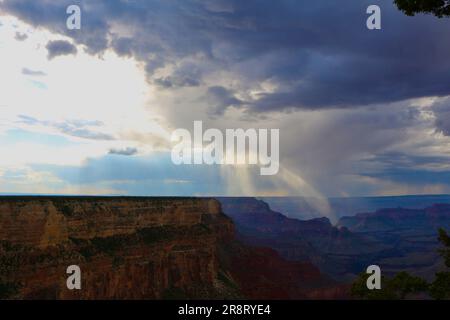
x: 360, y: 112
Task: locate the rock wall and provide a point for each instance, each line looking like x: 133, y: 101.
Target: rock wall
x: 126, y: 247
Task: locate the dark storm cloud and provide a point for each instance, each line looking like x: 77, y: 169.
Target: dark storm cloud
x: 414, y: 176
x: 34, y: 73
x: 441, y: 111
x: 318, y: 53
x: 20, y: 36
x: 124, y: 152
x: 401, y: 160
x: 220, y: 98
x: 60, y: 48
x: 75, y: 128
x: 170, y: 82
x: 72, y: 130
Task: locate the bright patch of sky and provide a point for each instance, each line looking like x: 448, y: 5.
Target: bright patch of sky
x: 65, y: 110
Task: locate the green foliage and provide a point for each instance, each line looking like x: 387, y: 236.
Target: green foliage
x: 404, y: 284
x: 156, y: 234
x: 87, y: 252
x: 359, y: 289
x: 439, y: 8
x: 109, y: 245
x: 226, y: 280
x: 398, y: 287
x: 9, y: 263
x: 11, y: 256
x: 117, y: 262
x: 174, y: 294
x: 445, y: 252
x: 147, y: 236
x: 8, y: 290
x: 63, y: 207
x: 163, y: 233
x: 440, y: 288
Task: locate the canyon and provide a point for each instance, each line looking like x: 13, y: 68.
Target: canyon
x: 141, y: 248
x: 397, y: 239
x: 125, y: 247
x: 203, y: 248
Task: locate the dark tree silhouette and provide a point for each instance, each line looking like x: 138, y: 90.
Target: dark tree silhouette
x: 440, y: 287
x: 444, y: 238
x: 440, y: 8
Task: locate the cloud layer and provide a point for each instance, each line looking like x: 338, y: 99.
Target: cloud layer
x: 60, y: 48
x: 316, y: 56
x: 359, y: 111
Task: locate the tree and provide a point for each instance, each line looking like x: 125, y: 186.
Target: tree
x: 404, y: 284
x: 440, y: 8
x: 440, y: 287
x: 444, y: 238
x: 396, y: 288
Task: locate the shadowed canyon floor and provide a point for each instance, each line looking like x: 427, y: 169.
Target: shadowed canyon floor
x: 396, y: 239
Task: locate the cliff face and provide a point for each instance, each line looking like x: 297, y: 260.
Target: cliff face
x: 428, y: 219
x: 125, y: 247
x: 336, y: 251
x: 409, y: 235
x: 263, y: 274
